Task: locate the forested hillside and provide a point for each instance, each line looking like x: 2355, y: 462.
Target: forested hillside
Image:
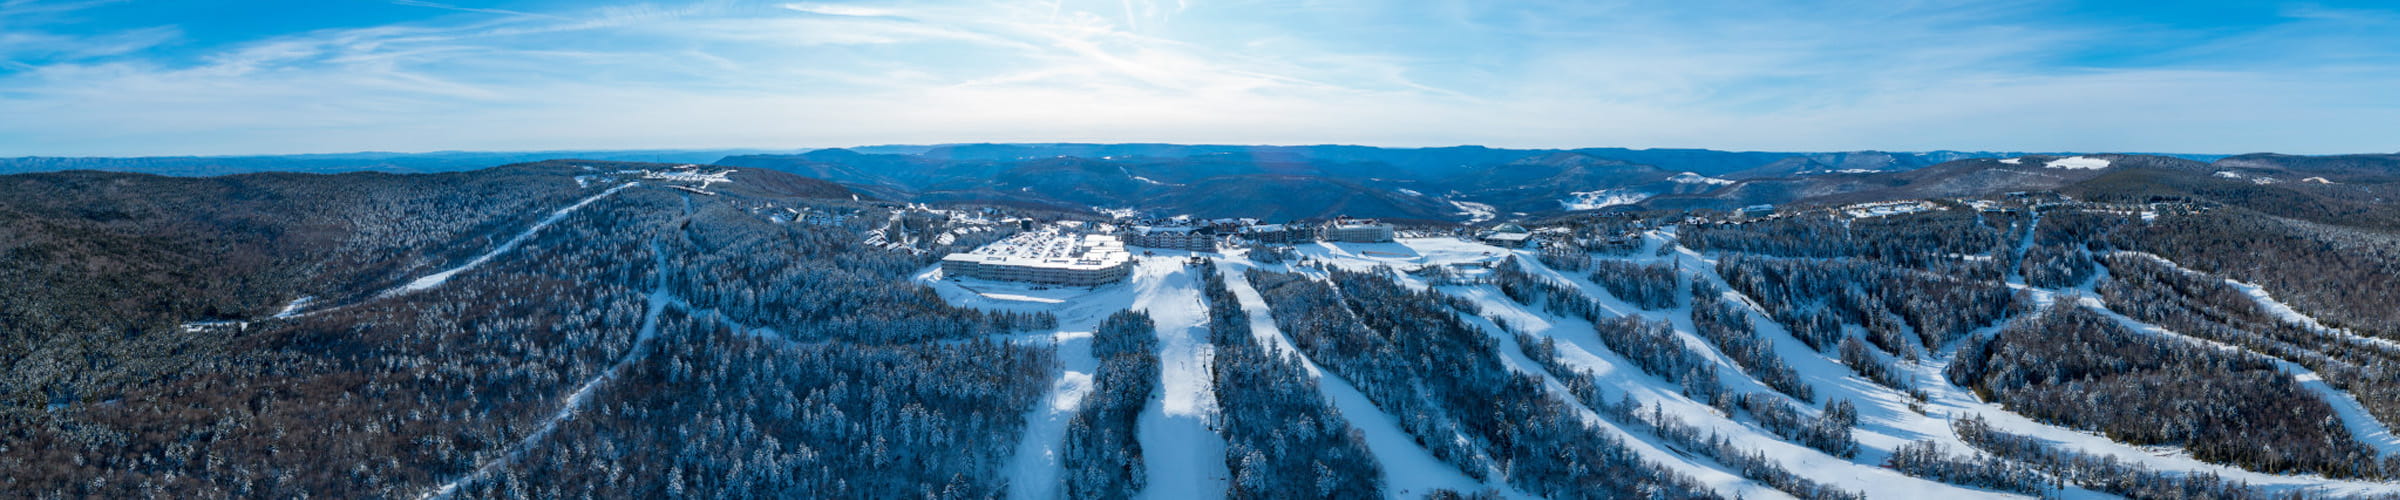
x: 632, y: 327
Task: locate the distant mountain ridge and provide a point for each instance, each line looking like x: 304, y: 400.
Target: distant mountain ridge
x: 1308, y: 181
x: 440, y: 161
x: 1444, y: 183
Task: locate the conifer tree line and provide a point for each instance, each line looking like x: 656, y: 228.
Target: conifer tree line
x: 1890, y: 302
x: 1633, y: 415
x: 2345, y: 277
x: 1726, y: 325
x: 1650, y: 286
x: 1283, y: 438
x: 1102, y: 457
x: 2206, y: 307
x: 1412, y: 354
x: 2102, y: 473
x: 2074, y: 367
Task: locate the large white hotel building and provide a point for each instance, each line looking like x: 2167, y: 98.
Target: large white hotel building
x: 1047, y: 257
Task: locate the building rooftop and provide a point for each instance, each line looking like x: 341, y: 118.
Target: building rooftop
x: 1163, y: 229
x: 1049, y: 249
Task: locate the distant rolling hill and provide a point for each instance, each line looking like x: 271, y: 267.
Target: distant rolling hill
x: 1305, y: 181
x: 446, y: 161
x: 1276, y: 182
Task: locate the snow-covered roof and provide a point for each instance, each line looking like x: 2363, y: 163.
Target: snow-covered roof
x: 1050, y: 250
x: 1163, y: 229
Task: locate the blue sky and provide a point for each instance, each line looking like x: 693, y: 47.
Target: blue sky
x: 134, y: 77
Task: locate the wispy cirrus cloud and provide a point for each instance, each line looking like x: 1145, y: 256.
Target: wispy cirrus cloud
x: 1822, y: 76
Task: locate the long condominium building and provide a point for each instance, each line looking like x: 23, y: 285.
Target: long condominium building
x: 1047, y: 258
x: 1172, y: 237
x: 1358, y: 231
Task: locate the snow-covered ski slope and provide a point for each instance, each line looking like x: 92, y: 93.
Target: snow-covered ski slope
x: 1408, y: 468
x: 436, y: 279
x: 1034, y: 471
x: 1619, y: 377
x: 1168, y: 291
x: 1184, y: 454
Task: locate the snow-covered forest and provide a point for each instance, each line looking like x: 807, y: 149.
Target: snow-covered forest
x: 586, y: 329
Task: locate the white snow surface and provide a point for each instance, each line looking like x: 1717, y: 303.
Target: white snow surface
x: 2078, y: 163
x: 294, y: 307
x: 2013, y: 161
x: 1695, y: 178
x: 1184, y: 455
x: 690, y: 173
x: 1408, y: 253
x: 1595, y: 200
x: 1475, y: 212
x: 436, y: 279
x: 1885, y: 421
x: 1409, y: 470
x: 1034, y: 469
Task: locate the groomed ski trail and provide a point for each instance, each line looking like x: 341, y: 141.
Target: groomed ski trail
x: 1409, y: 470
x: 436, y: 279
